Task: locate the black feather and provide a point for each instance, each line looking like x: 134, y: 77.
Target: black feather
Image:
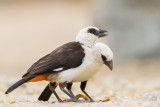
x: 45, y: 95
x: 17, y: 84
x: 67, y: 56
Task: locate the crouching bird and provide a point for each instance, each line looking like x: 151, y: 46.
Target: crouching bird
x: 99, y: 54
x: 66, y: 63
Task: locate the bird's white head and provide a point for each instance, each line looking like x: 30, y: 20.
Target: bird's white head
x: 89, y: 35
x: 103, y: 54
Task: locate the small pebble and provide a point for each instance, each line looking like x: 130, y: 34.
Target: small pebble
x: 149, y: 97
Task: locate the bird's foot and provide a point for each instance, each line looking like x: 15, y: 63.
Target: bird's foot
x: 91, y: 100
x: 65, y: 101
x: 74, y: 99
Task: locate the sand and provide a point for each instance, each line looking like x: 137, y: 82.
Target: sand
x: 126, y: 86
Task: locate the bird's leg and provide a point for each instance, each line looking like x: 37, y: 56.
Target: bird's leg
x: 62, y: 86
x: 52, y: 87
x: 83, y: 85
x: 69, y: 85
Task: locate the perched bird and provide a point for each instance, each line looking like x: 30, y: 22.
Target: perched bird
x: 100, y: 54
x: 65, y: 63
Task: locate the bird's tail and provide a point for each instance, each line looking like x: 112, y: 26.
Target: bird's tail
x: 17, y: 84
x: 45, y: 95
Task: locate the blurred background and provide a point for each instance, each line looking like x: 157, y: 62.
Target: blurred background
x: 29, y: 29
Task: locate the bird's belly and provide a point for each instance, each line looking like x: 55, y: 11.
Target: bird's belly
x: 87, y: 73
x: 78, y: 74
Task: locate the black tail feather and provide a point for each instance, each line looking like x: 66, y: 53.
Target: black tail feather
x: 17, y: 84
x: 45, y: 95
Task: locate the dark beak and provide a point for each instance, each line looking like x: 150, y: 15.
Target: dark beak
x: 102, y: 33
x: 109, y: 64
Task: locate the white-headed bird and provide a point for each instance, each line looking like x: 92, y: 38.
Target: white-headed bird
x: 96, y: 56
x: 71, y: 62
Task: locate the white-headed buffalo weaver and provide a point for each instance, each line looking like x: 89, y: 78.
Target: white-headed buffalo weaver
x: 101, y: 54
x: 66, y: 63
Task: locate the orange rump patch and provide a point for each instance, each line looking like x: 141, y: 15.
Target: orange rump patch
x: 38, y: 78
x: 57, y: 84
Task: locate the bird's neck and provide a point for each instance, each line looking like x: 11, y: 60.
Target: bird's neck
x: 88, y: 40
x: 89, y: 44
x: 96, y: 53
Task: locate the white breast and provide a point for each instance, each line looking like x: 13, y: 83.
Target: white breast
x: 86, y: 70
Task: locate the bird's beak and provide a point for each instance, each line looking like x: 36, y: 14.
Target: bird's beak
x: 102, y: 33
x: 109, y: 64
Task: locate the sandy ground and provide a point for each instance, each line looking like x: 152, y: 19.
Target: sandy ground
x: 126, y: 86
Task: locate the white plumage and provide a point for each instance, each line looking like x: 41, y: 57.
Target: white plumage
x: 92, y: 62
x: 86, y: 38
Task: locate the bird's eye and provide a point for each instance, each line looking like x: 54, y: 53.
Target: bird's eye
x: 93, y: 31
x: 103, y: 57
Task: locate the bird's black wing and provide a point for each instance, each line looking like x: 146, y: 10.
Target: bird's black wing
x: 67, y: 56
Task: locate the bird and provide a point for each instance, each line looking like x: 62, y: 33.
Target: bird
x: 64, y: 63
x: 102, y: 54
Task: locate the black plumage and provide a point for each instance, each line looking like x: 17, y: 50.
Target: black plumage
x: 67, y: 56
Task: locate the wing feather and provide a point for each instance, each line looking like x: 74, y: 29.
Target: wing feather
x: 67, y: 56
